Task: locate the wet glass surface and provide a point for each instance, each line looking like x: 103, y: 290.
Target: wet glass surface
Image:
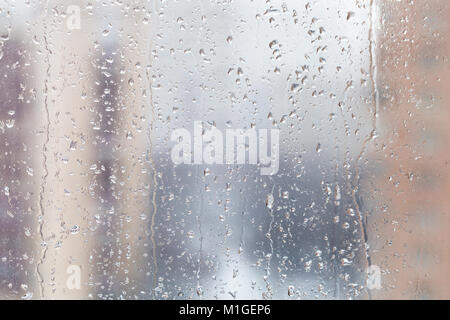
x: 224, y: 149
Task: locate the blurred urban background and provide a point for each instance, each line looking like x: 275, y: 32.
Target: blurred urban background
x: 92, y: 207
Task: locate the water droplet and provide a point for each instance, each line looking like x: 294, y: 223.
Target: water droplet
x: 269, y: 201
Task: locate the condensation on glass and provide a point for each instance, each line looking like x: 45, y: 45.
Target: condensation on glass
x: 93, y: 205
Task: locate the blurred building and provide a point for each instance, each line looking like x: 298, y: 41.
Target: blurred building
x: 77, y: 173
x: 17, y: 171
x: 409, y: 229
